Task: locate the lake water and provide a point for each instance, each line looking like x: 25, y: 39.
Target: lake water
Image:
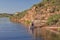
x: 13, y: 31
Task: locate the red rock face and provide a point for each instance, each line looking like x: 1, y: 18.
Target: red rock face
x: 30, y: 15
x: 41, y: 13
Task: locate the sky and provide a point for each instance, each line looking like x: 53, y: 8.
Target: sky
x: 12, y: 6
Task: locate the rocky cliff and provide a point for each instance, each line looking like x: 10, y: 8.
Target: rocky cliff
x: 39, y: 13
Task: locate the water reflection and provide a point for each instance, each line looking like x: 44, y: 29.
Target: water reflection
x: 36, y: 33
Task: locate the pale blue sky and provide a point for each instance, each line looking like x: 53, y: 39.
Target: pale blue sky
x: 12, y: 6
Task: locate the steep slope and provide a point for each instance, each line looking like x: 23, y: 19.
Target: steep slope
x: 41, y: 12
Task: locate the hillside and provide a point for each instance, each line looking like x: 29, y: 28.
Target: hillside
x: 46, y: 12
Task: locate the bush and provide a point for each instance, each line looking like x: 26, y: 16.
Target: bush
x: 27, y: 21
x: 52, y: 10
x: 53, y: 19
x: 40, y: 4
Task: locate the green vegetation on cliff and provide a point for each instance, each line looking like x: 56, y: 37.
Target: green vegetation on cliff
x: 53, y: 19
x: 19, y: 15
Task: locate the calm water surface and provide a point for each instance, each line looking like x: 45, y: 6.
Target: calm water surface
x: 13, y: 31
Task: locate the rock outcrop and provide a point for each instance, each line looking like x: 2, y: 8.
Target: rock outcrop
x: 41, y: 11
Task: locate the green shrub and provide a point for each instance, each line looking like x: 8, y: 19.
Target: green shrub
x: 40, y: 4
x: 53, y: 19
x: 27, y: 21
